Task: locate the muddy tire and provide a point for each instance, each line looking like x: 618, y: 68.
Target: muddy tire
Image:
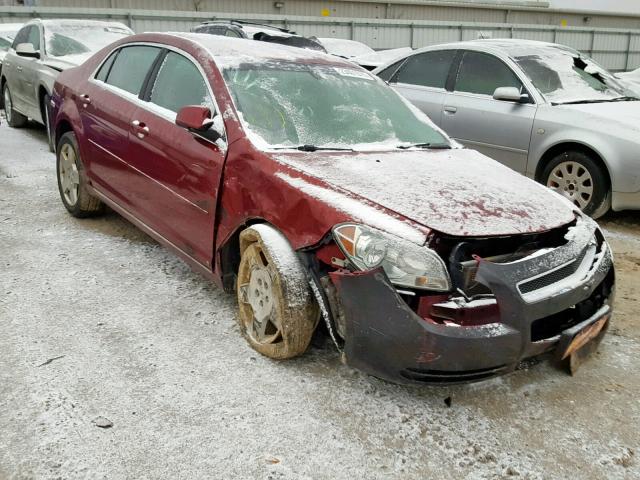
x: 581, y: 179
x: 71, y: 180
x: 277, y: 311
x: 14, y: 119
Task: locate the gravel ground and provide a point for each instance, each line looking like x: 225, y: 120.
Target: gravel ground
x: 98, y: 323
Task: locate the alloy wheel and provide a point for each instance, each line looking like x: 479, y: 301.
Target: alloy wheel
x: 69, y: 176
x: 574, y: 181
x: 264, y: 326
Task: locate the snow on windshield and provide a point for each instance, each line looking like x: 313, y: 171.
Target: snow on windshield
x: 81, y: 37
x: 562, y: 75
x: 285, y: 104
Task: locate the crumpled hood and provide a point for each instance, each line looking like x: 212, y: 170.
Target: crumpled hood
x: 624, y: 114
x: 67, y: 61
x: 457, y: 192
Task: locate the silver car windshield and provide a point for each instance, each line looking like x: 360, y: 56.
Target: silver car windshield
x: 289, y: 105
x: 564, y: 76
x: 72, y: 39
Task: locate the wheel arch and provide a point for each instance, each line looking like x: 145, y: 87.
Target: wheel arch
x: 62, y: 126
x: 229, y: 253
x: 560, y: 147
x: 42, y: 93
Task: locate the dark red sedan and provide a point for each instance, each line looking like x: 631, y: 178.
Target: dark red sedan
x: 314, y: 191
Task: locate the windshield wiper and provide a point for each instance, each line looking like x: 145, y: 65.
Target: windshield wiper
x: 430, y: 146
x: 313, y: 148
x: 599, y: 100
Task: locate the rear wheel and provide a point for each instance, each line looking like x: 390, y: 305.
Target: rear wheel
x: 14, y: 119
x: 278, y: 313
x: 579, y: 178
x: 71, y: 181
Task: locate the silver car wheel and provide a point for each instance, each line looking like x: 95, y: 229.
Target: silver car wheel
x: 574, y: 181
x: 69, y: 176
x: 8, y: 106
x: 258, y: 293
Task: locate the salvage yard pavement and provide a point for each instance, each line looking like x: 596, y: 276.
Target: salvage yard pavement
x: 117, y: 361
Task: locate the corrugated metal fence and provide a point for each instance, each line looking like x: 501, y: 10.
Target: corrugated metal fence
x: 616, y: 49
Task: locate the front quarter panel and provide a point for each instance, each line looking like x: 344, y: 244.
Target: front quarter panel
x: 621, y: 155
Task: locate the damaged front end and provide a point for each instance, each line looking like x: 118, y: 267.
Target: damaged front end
x: 508, y: 299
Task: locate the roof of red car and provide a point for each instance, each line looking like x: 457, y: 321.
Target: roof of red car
x: 233, y: 51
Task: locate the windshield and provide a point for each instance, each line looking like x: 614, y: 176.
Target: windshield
x: 564, y: 76
x: 5, y: 43
x: 71, y: 39
x: 289, y: 105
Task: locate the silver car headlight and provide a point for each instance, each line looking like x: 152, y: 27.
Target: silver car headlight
x: 405, y: 263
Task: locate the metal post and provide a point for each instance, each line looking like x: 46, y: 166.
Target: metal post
x: 353, y: 31
x: 593, y: 42
x: 411, y: 35
x: 130, y: 19
x: 461, y: 32
x: 628, y: 53
x: 555, y: 35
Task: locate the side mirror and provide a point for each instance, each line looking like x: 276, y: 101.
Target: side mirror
x: 27, y: 50
x: 510, y: 94
x: 198, y: 120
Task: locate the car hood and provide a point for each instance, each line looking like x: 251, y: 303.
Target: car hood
x: 67, y: 61
x: 624, y: 114
x: 457, y: 192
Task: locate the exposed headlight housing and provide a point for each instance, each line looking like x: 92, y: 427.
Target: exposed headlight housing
x: 406, y: 264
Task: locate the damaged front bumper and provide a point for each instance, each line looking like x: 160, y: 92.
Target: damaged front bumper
x: 571, y: 286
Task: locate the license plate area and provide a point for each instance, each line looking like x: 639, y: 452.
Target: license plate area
x: 580, y: 341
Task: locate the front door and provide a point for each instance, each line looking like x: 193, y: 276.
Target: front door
x: 182, y: 171
x: 499, y: 129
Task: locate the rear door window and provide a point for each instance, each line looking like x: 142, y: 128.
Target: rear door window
x: 106, y: 66
x: 482, y: 73
x: 429, y: 69
x: 131, y: 66
x: 179, y: 83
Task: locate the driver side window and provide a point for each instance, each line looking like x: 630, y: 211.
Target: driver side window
x: 34, y: 37
x: 482, y: 73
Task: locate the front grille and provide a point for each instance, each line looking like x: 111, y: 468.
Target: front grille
x: 442, y: 376
x: 551, y: 277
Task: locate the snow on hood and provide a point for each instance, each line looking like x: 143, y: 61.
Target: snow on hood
x: 67, y: 61
x: 457, y: 192
x: 625, y: 114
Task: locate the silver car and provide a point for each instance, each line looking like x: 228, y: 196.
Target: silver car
x: 7, y: 34
x: 542, y: 109
x: 40, y: 51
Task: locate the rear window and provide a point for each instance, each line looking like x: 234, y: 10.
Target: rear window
x: 429, y: 69
x: 131, y: 66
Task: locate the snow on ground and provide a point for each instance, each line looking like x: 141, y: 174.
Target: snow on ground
x: 142, y: 341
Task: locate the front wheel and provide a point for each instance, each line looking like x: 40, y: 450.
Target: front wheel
x: 14, y: 119
x: 278, y: 313
x: 579, y: 178
x: 71, y: 180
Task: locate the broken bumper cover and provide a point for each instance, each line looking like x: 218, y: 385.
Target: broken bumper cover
x: 386, y: 338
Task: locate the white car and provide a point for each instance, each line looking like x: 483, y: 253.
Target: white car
x: 348, y: 49
x: 631, y: 80
x: 7, y: 34
x: 40, y: 51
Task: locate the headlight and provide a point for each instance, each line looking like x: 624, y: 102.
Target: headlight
x: 406, y: 264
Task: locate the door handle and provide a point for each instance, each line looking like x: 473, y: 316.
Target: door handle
x: 19, y: 68
x: 85, y: 98
x: 451, y: 110
x: 140, y: 128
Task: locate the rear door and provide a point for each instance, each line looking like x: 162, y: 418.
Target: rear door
x: 182, y: 171
x: 422, y: 78
x: 107, y: 104
x: 499, y: 129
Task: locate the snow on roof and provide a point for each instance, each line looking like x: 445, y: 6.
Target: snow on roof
x: 229, y: 52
